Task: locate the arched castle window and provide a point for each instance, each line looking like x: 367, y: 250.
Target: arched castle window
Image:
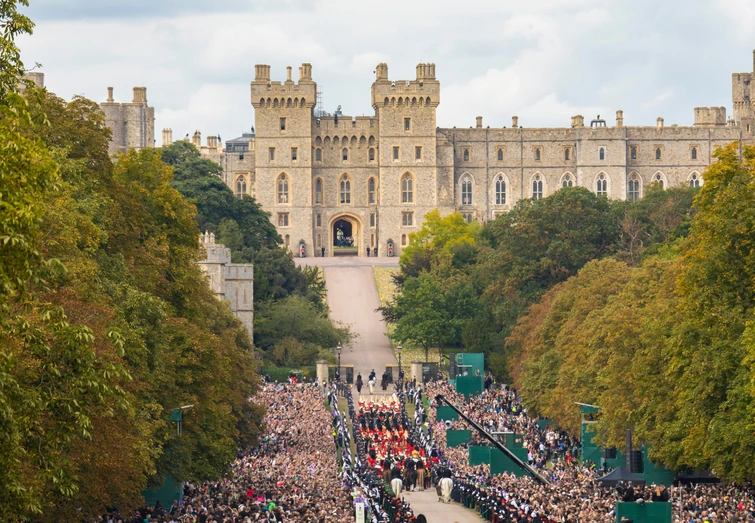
x: 407, y: 188
x: 658, y: 178
x: 371, y: 198
x: 537, y: 154
x: 500, y: 190
x: 287, y: 240
x: 567, y: 180
x: 240, y: 187
x: 466, y: 190
x: 318, y: 155
x: 403, y: 240
x: 602, y: 153
x: 537, y: 187
x: 657, y: 153
x: 601, y: 185
x: 345, y: 189
x: 500, y: 155
x: 318, y: 191
x: 345, y: 154
x: 372, y: 154
x: 633, y: 187
x: 567, y: 154
x: 466, y: 155
x: 693, y: 153
x: 694, y: 180
x: 283, y: 188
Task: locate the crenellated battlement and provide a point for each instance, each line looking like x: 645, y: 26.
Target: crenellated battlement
x: 424, y: 91
x: 266, y: 93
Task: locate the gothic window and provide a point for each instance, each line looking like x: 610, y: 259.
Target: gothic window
x: 318, y: 155
x: 407, y: 189
x: 694, y: 180
x: 345, y: 189
x: 633, y: 153
x: 345, y: 154
x: 537, y: 187
x: 466, y: 155
x: 282, y: 219
x: 500, y: 155
x: 466, y: 190
x: 418, y: 153
x: 318, y: 191
x: 601, y: 185
x: 500, y: 190
x: 240, y: 187
x: 407, y: 219
x: 372, y: 155
x: 283, y: 188
x: 537, y: 154
x: 657, y: 153
x: 567, y: 180
x: 693, y: 153
x: 658, y: 178
x: 371, y: 191
x: 567, y: 154
x: 602, y: 153
x: 633, y: 187
x: 468, y: 216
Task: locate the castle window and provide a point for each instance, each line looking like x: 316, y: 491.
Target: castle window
x: 567, y: 154
x: 601, y: 185
x: 658, y: 178
x: 407, y: 219
x: 283, y: 188
x: 567, y: 181
x: 602, y: 153
x: 318, y: 191
x: 372, y: 155
x: 294, y: 154
x: 407, y: 124
x: 271, y: 154
x: 241, y: 157
x: 287, y: 240
x: 345, y: 154
x: 633, y: 153
x: 395, y: 153
x: 283, y: 124
x: 468, y: 216
x: 466, y: 190
x: 418, y: 153
x: 318, y: 155
x: 282, y: 219
x: 633, y: 188
x: 538, y: 153
x: 693, y: 153
x: 694, y: 180
x: 500, y: 155
x: 372, y: 219
x: 537, y: 187
x: 345, y: 189
x: 500, y: 190
x: 240, y: 187
x: 407, y: 189
x: 318, y: 220
x: 371, y: 191
x: 403, y: 240
x: 466, y: 155
x: 657, y: 153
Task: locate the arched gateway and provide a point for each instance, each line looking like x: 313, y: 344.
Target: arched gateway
x: 345, y: 235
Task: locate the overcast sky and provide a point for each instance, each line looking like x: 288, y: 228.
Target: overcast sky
x: 543, y: 60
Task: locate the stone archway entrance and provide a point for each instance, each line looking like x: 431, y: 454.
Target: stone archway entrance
x: 345, y: 235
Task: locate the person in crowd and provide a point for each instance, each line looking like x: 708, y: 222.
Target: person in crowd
x: 359, y: 383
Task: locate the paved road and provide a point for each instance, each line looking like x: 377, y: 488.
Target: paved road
x: 352, y: 299
x: 347, y: 261
x: 426, y: 502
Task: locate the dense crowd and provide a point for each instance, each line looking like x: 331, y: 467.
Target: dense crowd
x: 573, y: 494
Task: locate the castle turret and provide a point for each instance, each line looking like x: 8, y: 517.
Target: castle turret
x: 132, y: 124
x: 167, y: 137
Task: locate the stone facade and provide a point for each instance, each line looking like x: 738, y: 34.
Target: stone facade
x: 231, y: 282
x: 132, y: 124
x: 379, y: 175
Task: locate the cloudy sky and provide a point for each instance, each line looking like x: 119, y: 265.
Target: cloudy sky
x: 543, y: 60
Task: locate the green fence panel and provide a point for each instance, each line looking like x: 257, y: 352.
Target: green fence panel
x: 166, y: 493
x: 500, y: 462
x: 590, y: 450
x: 644, y: 512
x: 653, y: 473
x: 513, y: 441
x: 469, y: 385
x: 543, y: 423
x: 479, y: 455
x: 454, y: 438
x: 475, y: 359
x: 445, y: 413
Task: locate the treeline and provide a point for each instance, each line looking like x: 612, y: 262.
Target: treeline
x: 643, y: 308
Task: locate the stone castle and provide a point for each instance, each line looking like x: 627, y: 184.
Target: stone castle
x: 334, y: 181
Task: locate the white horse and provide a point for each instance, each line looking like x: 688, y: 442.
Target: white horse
x: 397, y: 485
x: 446, y: 486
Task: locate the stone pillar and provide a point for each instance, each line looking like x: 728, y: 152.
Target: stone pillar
x: 197, y: 139
x: 659, y: 123
x: 479, y: 122
x: 140, y: 95
x: 515, y: 121
x: 322, y: 371
x: 619, y: 118
x: 110, y: 95
x: 416, y: 372
x: 167, y: 137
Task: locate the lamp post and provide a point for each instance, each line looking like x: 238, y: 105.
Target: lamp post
x: 398, y: 348
x: 338, y: 350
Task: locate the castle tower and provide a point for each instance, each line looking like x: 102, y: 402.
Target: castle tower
x: 405, y: 111
x: 132, y: 124
x: 283, y: 151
